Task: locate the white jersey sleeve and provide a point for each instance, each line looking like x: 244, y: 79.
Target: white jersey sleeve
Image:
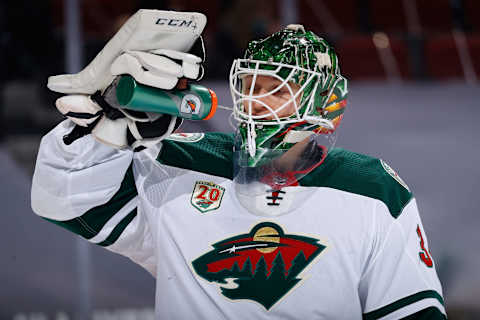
x: 400, y: 278
x: 89, y: 188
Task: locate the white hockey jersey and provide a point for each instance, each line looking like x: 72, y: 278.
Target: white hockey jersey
x: 353, y: 248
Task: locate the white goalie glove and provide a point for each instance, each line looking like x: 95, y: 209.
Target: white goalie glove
x: 151, y: 47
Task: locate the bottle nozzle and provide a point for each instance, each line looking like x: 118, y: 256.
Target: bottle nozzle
x: 213, y: 108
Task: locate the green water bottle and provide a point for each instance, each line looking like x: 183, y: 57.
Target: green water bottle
x: 193, y: 103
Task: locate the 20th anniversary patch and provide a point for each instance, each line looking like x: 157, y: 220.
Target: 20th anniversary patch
x: 207, y: 196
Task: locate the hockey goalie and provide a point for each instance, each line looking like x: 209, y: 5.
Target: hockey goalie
x: 268, y: 222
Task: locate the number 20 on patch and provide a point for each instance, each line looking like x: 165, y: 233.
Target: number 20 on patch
x: 207, y: 196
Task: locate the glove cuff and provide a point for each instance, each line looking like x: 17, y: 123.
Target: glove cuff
x: 112, y: 132
x: 141, y: 135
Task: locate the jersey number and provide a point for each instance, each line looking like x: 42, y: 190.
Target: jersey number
x: 212, y: 195
x: 424, y: 255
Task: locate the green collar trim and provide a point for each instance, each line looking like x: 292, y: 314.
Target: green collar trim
x: 342, y: 170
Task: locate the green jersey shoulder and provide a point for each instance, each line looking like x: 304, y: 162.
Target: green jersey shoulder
x: 212, y: 153
x: 361, y: 174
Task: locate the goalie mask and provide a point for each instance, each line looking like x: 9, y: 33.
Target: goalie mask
x: 289, y: 98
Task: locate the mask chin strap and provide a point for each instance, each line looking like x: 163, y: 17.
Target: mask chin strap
x: 251, y: 135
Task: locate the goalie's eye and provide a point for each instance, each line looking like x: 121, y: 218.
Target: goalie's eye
x: 261, y: 89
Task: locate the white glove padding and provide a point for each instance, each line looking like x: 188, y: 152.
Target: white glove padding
x: 79, y: 108
x: 120, y: 130
x: 112, y: 132
x: 125, y: 132
x: 157, y: 69
x: 145, y: 31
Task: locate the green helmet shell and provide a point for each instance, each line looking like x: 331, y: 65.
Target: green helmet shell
x: 303, y: 58
x: 296, y: 47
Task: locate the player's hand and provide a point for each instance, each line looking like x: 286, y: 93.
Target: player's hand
x: 92, y: 114
x: 154, y: 55
x: 158, y: 68
x: 144, y: 47
x: 162, y: 69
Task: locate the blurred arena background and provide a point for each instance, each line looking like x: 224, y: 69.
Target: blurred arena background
x: 414, y: 68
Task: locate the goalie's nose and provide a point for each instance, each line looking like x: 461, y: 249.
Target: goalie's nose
x: 259, y: 105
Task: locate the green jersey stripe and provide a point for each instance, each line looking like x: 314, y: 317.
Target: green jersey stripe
x: 383, y: 311
x: 114, y: 221
x: 91, y: 223
x: 430, y: 313
x: 117, y: 231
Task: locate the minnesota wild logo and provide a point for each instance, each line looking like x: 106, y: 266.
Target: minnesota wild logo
x: 261, y: 265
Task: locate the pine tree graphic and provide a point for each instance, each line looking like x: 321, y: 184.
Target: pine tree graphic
x: 298, y: 264
x: 264, y: 287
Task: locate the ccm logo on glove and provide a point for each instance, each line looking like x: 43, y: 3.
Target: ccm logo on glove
x: 176, y: 23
